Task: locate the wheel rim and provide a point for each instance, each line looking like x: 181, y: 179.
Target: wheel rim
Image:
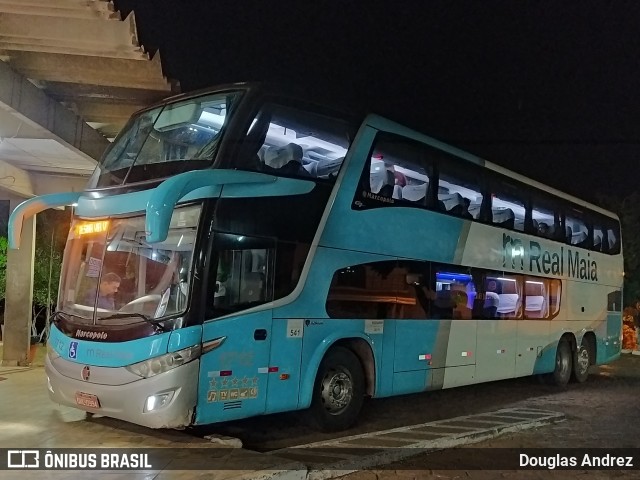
x: 337, y: 391
x: 583, y: 360
x: 563, y: 362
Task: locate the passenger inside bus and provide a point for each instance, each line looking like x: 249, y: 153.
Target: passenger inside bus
x: 543, y: 230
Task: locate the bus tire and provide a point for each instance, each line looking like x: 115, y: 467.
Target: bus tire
x: 338, y: 392
x: 563, y: 365
x: 581, y: 362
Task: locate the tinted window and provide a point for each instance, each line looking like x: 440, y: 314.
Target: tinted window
x: 542, y: 297
x: 290, y: 142
x: 167, y: 140
x: 459, y: 190
x: 397, y: 171
x: 250, y: 271
x: 381, y: 290
x: 503, y: 295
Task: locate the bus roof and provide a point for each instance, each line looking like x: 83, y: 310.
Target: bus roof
x: 383, y: 123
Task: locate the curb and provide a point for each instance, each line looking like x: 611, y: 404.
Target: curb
x: 338, y: 457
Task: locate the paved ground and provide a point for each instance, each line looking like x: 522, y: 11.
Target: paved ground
x: 603, y: 414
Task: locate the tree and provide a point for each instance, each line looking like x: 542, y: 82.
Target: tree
x: 629, y: 213
x: 51, y: 230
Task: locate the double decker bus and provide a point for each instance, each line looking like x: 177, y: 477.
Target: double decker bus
x: 240, y: 252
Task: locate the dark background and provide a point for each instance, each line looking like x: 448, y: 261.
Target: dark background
x: 546, y: 88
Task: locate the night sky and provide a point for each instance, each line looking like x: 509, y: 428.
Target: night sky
x: 547, y: 90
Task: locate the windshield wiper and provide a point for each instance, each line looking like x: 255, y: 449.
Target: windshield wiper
x: 156, y: 323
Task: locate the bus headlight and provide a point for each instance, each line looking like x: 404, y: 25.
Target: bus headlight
x: 164, y: 363
x: 156, y: 402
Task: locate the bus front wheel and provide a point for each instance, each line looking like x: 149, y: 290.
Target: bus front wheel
x: 563, y: 366
x: 338, y: 392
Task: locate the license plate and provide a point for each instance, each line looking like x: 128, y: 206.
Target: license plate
x: 87, y: 400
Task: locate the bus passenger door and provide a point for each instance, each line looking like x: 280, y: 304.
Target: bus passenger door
x: 234, y: 371
x: 235, y: 363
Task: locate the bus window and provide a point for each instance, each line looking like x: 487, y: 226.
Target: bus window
x: 454, y: 295
x: 507, y: 206
x: 380, y: 290
x: 536, y: 301
x: 165, y: 141
x: 286, y: 141
x: 399, y: 170
x: 459, y: 191
x: 542, y: 297
x: 365, y: 291
x: 503, y: 296
x: 554, y: 289
x: 613, y: 239
x: 545, y: 219
x: 577, y: 232
x: 243, y: 277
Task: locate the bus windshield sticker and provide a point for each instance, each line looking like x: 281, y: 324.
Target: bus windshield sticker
x: 295, y: 328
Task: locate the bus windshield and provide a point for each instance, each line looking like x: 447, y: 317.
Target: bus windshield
x: 166, y: 141
x: 109, y: 268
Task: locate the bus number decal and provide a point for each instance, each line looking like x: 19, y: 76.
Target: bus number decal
x: 295, y: 328
x: 373, y: 326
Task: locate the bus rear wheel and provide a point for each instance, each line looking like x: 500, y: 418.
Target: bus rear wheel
x: 563, y: 365
x: 581, y: 361
x: 338, y: 392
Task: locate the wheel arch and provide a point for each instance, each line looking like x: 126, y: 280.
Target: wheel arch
x: 570, y: 338
x: 359, y: 344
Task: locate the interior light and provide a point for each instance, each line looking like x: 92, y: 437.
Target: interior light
x: 506, y: 279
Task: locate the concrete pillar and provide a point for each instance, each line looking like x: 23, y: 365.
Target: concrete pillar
x: 19, y: 297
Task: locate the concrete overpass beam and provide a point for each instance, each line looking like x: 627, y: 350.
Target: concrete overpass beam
x: 33, y: 106
x: 42, y: 32
x: 110, y: 72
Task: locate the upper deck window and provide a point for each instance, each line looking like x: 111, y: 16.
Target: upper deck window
x: 294, y: 142
x: 166, y: 140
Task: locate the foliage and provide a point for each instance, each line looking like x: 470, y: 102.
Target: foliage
x: 45, y: 257
x: 51, y: 230
x: 629, y: 212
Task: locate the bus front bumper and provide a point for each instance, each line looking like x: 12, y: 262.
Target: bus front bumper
x: 176, y: 388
